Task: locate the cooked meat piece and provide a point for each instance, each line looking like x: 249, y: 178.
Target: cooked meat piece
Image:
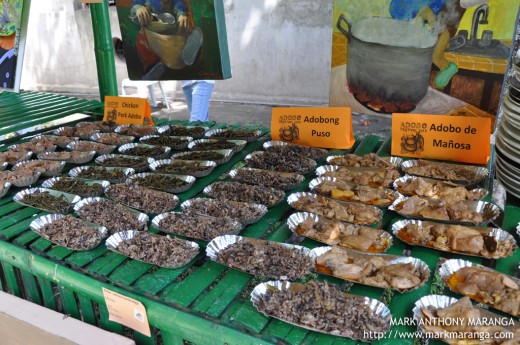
x: 443, y: 170
x: 369, y: 160
x: 356, y: 193
x: 444, y: 190
x: 376, y: 177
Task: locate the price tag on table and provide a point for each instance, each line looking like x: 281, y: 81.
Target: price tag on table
x: 127, y: 110
x: 320, y: 127
x: 126, y: 311
x: 443, y: 137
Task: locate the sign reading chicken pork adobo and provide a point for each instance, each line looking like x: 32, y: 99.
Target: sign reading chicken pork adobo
x: 451, y: 138
x: 321, y: 127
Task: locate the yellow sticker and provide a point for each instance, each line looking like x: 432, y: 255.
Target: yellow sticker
x: 127, y: 110
x: 320, y: 127
x: 443, y: 137
x: 126, y: 311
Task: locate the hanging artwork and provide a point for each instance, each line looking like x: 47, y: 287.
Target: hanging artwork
x: 174, y: 39
x: 13, y: 28
x: 421, y: 56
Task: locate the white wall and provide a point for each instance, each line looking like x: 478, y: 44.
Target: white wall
x: 279, y: 50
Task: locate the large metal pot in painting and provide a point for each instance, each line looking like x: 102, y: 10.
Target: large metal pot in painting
x: 388, y: 62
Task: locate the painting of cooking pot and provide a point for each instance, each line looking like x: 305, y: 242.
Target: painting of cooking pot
x: 421, y: 56
x: 174, y: 39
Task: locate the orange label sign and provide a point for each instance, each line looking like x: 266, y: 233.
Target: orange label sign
x: 320, y: 127
x: 127, y: 110
x: 453, y: 138
x: 126, y: 311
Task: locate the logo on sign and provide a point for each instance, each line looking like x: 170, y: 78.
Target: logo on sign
x: 112, y: 115
x: 412, y: 143
x: 290, y: 132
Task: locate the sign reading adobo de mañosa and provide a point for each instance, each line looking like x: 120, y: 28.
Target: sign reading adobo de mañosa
x: 319, y: 127
x: 453, y: 138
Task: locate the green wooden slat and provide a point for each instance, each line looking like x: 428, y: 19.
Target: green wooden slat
x: 218, y: 298
x: 129, y: 272
x: 105, y: 323
x: 285, y: 332
x: 9, y: 208
x: 32, y: 292
x: 87, y: 310
x: 386, y: 148
x: 244, y: 315
x: 185, y: 292
x: 47, y: 293
x: 59, y: 253
x: 105, y: 265
x: 367, y: 145
x: 70, y: 306
x: 169, y: 338
x: 80, y: 259
x: 142, y: 339
x: 314, y: 338
x: 26, y: 238
x: 10, y: 279
x: 153, y: 283
x: 41, y: 245
x: 18, y: 226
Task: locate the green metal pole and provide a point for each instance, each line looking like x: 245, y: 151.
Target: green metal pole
x: 104, y: 50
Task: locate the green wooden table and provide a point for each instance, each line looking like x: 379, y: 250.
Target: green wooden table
x: 203, y: 302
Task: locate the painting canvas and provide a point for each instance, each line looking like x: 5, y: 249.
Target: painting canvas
x: 421, y: 56
x: 174, y: 39
x: 13, y: 28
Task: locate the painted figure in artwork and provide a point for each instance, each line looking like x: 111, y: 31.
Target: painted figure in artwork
x: 10, y: 12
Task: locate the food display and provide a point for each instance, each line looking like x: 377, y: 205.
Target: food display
x: 77, y: 132
x: 48, y: 140
x: 267, y: 178
x: 163, y: 182
x: 284, y: 149
x: 215, y: 144
x: 370, y: 160
x: 335, y: 232
x: 437, y: 189
x: 112, y: 138
x: 244, y: 212
x: 138, y: 163
x: 179, y: 166
x: 154, y: 249
x: 13, y: 157
x: 372, y: 177
x: 135, y: 130
x: 490, y: 243
x: 83, y: 188
x: 37, y: 147
x: 399, y: 273
x: 112, y: 175
x: 324, y: 308
x: 114, y: 217
x: 330, y: 208
x: 74, y: 157
x: 46, y: 200
x: 196, y: 226
x: 46, y: 168
x: 101, y: 126
x: 269, y: 160
x: 342, y: 190
x: 191, y: 131
x: 435, y: 314
x: 464, y: 212
x: 69, y: 232
x: 20, y: 178
x: 85, y: 145
x: 175, y: 143
x: 245, y: 192
x: 142, y: 198
x: 261, y: 258
x: 217, y: 156
x: 231, y: 133
x: 463, y: 174
x: 482, y: 284
x: 155, y: 152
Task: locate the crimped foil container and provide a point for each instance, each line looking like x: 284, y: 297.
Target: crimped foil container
x: 190, y: 180
x: 75, y: 172
x: 50, y: 184
x: 397, y: 161
x: 273, y: 143
x: 40, y: 222
x: 50, y: 156
x: 295, y: 219
x: 3, y: 166
x: 123, y: 129
x: 226, y: 153
x: 27, y: 181
x: 166, y: 150
x: 208, y: 190
x: 16, y: 147
x: 488, y: 210
x: 450, y: 267
x: 407, y: 178
x: 299, y: 178
x: 258, y: 154
x: 293, y: 198
x: 101, y: 161
x: 48, y: 173
x: 156, y: 223
x: 103, y: 151
x: 498, y: 234
x: 441, y: 302
x: 5, y: 189
x: 114, y: 240
x: 186, y: 205
x: 25, y: 157
x: 218, y: 244
x: 480, y: 173
x: 239, y: 144
x: 85, y: 136
x: 71, y: 198
x: 165, y: 128
x: 98, y: 137
x: 61, y: 145
x: 206, y: 167
x: 421, y: 266
x: 141, y: 217
x: 211, y: 135
x: 390, y: 194
x: 260, y: 291
x: 107, y: 193
x: 182, y: 146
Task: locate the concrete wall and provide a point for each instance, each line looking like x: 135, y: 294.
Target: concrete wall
x: 279, y: 50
